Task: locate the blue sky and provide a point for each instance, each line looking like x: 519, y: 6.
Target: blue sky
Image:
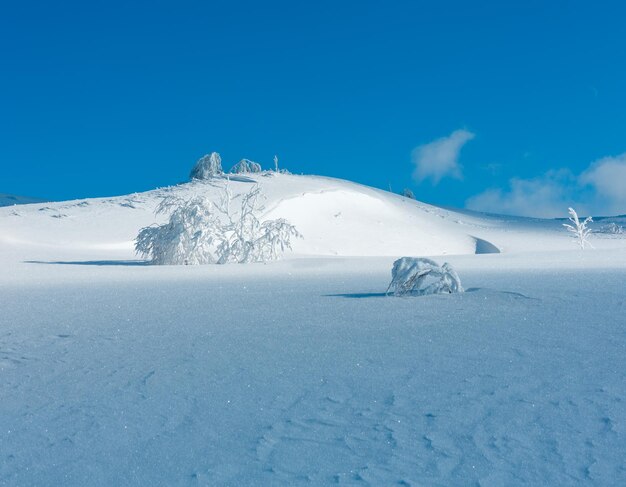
x: 520, y: 99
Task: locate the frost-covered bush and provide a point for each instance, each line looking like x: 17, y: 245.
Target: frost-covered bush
x: 202, y: 232
x: 419, y: 276
x: 207, y: 167
x: 187, y: 238
x: 612, y: 228
x: 246, y: 238
x: 246, y: 166
x: 277, y: 170
x: 579, y: 229
x: 407, y: 193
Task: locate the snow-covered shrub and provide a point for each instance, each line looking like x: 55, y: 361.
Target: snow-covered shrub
x: 407, y: 193
x: 579, y: 229
x: 419, y: 276
x: 202, y: 232
x: 246, y: 166
x: 612, y: 228
x: 188, y: 237
x: 207, y: 167
x: 247, y: 239
x: 277, y: 170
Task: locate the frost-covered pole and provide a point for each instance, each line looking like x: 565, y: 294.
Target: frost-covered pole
x: 579, y: 229
x: 276, y: 163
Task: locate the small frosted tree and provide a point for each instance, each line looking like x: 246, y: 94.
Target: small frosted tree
x: 579, y: 229
x: 207, y: 167
x: 202, y: 232
x: 246, y: 166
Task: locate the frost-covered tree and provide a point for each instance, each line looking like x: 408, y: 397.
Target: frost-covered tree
x: 207, y: 167
x: 419, y: 276
x: 246, y: 166
x: 579, y: 229
x: 202, y: 232
x: 247, y: 238
x: 188, y: 237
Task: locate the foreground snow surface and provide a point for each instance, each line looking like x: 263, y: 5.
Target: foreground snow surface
x: 302, y: 373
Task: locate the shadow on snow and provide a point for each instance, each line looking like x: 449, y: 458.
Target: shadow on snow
x: 92, y: 262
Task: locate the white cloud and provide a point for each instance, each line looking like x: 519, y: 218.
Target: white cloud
x: 440, y: 158
x: 545, y: 196
x: 599, y: 190
x: 608, y: 177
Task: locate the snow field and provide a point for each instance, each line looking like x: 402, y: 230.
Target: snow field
x: 301, y: 373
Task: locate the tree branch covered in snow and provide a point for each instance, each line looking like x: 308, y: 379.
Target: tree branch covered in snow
x: 579, y: 229
x: 420, y: 276
x: 202, y: 232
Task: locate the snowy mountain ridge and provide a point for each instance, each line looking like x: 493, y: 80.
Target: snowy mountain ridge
x: 12, y: 199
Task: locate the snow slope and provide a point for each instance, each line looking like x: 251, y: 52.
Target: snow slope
x: 302, y: 372
x: 335, y: 217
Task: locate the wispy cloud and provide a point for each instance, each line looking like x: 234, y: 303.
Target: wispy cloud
x: 607, y: 177
x: 599, y: 190
x: 440, y: 158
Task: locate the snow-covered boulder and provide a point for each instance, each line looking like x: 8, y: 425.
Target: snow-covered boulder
x: 420, y: 276
x: 246, y: 166
x: 207, y: 167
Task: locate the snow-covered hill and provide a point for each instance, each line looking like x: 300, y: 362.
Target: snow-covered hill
x: 11, y: 199
x: 335, y: 217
